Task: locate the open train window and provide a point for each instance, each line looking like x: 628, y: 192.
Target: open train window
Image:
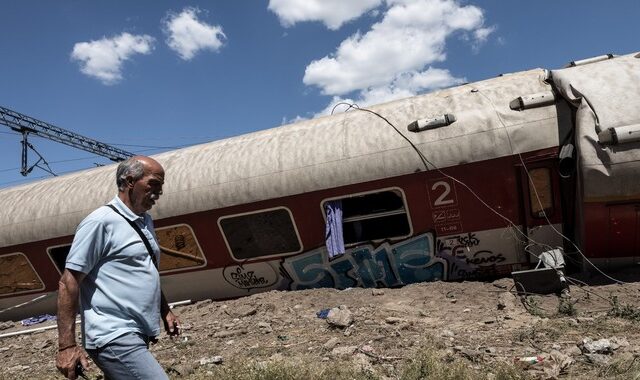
x: 260, y: 234
x: 373, y: 216
x: 540, y: 192
x: 17, y: 275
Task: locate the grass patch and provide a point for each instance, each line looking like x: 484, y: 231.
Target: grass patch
x: 532, y: 305
x: 424, y: 365
x: 567, y: 308
x: 626, y: 311
x: 283, y: 370
x: 625, y: 368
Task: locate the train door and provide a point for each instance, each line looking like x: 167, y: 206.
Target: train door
x: 541, y: 205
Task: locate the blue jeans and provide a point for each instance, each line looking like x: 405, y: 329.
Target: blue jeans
x: 127, y: 357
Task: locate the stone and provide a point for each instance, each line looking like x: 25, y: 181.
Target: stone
x: 377, y: 292
x: 182, y: 369
x: 331, y: 344
x: 340, y: 317
x: 241, y: 311
x: 6, y: 325
x: 617, y: 343
x: 600, y: 346
x: 573, y: 351
x: 507, y: 302
x: 393, y: 320
x: 211, y: 360
x: 367, y: 349
x: 598, y: 359
x: 228, y: 333
x: 265, y: 327
x: 44, y: 344
x: 470, y: 354
x: 447, y: 333
x: 344, y: 351
x: 362, y: 361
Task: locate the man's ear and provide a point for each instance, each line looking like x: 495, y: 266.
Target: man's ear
x: 130, y: 181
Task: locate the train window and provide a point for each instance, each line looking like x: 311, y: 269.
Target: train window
x: 260, y: 234
x: 540, y: 185
x: 374, y: 216
x: 179, y: 248
x: 17, y: 275
x: 59, y: 256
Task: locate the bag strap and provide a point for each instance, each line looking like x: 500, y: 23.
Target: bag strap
x: 139, y: 231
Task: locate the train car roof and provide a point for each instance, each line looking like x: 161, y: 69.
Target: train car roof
x: 310, y: 155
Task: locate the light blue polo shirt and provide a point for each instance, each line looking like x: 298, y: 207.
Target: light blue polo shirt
x: 121, y: 290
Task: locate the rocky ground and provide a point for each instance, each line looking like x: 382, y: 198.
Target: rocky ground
x: 481, y: 328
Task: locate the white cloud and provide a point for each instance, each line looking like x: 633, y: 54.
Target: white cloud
x: 410, y: 37
x: 403, y: 86
x: 187, y: 35
x: 103, y: 59
x: 333, y: 13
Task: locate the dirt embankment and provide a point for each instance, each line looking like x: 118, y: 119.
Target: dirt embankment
x: 379, y: 333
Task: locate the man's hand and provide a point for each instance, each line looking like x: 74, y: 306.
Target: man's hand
x: 67, y: 360
x: 69, y: 354
x: 171, y: 323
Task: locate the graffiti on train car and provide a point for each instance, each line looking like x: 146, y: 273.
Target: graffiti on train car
x: 387, y: 265
x: 466, y: 257
x: 251, y: 276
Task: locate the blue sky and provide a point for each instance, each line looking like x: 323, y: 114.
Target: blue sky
x: 149, y: 76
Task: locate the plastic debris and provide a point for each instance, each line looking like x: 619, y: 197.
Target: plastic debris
x: 529, y: 360
x: 323, y: 314
x: 39, y: 319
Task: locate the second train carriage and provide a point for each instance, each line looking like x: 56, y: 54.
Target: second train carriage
x: 515, y: 164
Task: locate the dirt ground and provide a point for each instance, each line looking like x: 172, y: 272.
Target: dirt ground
x: 593, y: 334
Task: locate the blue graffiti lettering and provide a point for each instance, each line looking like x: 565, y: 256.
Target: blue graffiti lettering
x: 403, y: 263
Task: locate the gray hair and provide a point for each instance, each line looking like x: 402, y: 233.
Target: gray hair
x: 130, y: 167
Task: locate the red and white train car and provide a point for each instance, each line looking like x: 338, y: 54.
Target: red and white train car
x: 505, y: 169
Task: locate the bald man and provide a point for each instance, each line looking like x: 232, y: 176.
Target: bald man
x: 112, y: 267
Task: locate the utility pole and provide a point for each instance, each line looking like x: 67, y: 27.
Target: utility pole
x: 28, y: 125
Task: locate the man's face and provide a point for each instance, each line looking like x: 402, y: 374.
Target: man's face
x: 144, y: 192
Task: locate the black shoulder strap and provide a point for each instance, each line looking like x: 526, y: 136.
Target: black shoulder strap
x: 139, y: 231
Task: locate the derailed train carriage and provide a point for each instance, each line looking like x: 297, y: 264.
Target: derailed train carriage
x: 488, y: 176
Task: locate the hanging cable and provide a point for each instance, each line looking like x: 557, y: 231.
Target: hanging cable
x: 515, y: 227
x: 538, y: 197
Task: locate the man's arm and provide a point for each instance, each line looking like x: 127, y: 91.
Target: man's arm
x: 69, y: 354
x: 170, y: 321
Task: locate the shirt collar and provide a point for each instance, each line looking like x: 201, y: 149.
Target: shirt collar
x: 126, y: 211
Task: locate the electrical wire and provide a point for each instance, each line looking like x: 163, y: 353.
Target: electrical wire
x: 426, y: 163
x: 538, y: 197
x: 511, y: 224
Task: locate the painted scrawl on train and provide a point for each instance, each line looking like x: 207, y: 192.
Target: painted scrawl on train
x: 474, y: 181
